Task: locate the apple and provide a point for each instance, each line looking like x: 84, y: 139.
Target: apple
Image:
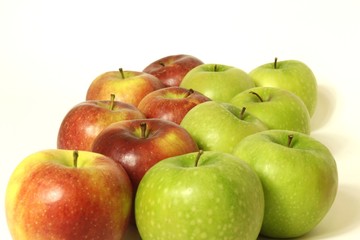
x: 128, y: 86
x: 171, y: 103
x: 292, y: 75
x: 217, y: 81
x: 65, y: 194
x: 170, y: 70
x: 84, y: 121
x: 204, y: 195
x: 140, y: 143
x: 277, y: 108
x: 299, y: 177
x: 220, y: 126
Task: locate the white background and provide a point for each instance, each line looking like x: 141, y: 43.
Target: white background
x: 50, y: 51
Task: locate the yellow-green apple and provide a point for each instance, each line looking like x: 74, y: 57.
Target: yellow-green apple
x: 220, y: 126
x: 292, y: 75
x: 128, y: 86
x: 66, y: 194
x: 277, y: 108
x: 171, y: 103
x: 217, y: 81
x: 299, y: 177
x: 140, y: 143
x: 172, y: 69
x: 192, y: 196
x: 85, y: 121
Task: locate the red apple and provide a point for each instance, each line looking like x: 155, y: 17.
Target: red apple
x: 64, y: 194
x: 171, y: 69
x: 128, y: 86
x: 85, y: 120
x: 139, y: 144
x: 171, y: 103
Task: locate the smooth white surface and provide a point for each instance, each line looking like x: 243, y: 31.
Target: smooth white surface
x: 50, y: 51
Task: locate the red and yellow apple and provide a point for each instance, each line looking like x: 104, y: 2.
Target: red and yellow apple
x: 128, y: 86
x: 140, y: 143
x: 172, y: 69
x: 85, y: 120
x: 65, y: 194
x: 171, y: 103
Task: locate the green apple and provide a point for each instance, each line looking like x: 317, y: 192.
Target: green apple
x: 220, y: 126
x: 277, y: 108
x: 210, y: 196
x: 66, y: 194
x: 216, y: 81
x: 299, y: 177
x: 292, y: 75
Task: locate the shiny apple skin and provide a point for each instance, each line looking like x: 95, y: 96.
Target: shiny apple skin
x: 172, y: 69
x: 86, y: 120
x: 122, y: 141
x: 170, y: 103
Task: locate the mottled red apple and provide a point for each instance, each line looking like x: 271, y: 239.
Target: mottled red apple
x: 139, y: 144
x: 128, y: 86
x: 171, y: 69
x: 87, y: 119
x: 65, y: 194
x: 171, y: 103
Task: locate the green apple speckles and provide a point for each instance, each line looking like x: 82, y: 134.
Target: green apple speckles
x: 277, y: 108
x: 220, y: 198
x: 219, y: 126
x: 291, y: 75
x: 299, y: 177
x: 217, y: 81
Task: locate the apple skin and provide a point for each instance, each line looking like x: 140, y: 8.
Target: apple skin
x: 87, y: 119
x: 292, y: 75
x: 170, y: 70
x: 300, y: 182
x: 124, y: 143
x: 47, y: 197
x: 129, y: 87
x: 278, y: 108
x: 217, y: 81
x: 220, y: 198
x: 171, y: 103
x: 218, y: 126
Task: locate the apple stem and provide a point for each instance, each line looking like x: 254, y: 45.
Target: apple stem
x: 189, y: 92
x: 257, y: 95
x: 275, y: 63
x: 112, y: 101
x: 162, y: 64
x: 290, y: 138
x: 198, y: 157
x: 143, y: 127
x: 75, y: 157
x: 215, y: 68
x: 122, y: 73
x: 242, y: 113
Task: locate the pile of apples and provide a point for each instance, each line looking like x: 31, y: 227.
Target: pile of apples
x: 182, y: 150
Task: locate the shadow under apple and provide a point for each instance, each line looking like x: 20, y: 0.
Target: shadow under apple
x: 342, y: 217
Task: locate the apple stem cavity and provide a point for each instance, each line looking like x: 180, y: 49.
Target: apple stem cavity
x: 122, y: 73
x: 198, y: 157
x: 112, y: 101
x: 275, y: 63
x: 257, y: 95
x: 242, y: 113
x: 162, y: 64
x: 75, y: 157
x: 290, y: 139
x: 143, y: 127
